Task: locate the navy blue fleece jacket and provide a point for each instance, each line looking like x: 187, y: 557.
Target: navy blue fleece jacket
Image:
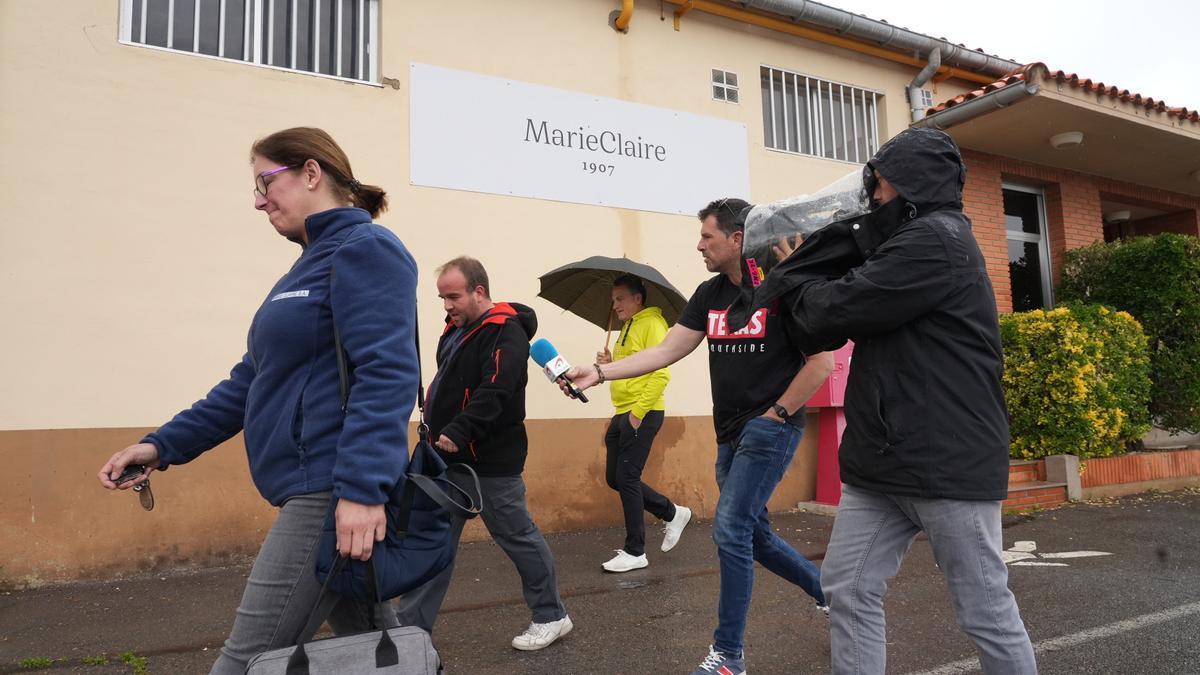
x: 285, y: 392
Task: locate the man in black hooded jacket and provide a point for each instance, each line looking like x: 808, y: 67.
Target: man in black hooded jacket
x: 476, y: 416
x: 926, y: 440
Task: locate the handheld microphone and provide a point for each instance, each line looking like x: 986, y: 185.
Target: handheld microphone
x: 554, y: 365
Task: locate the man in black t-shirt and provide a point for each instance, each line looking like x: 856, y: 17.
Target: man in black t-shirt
x: 759, y: 386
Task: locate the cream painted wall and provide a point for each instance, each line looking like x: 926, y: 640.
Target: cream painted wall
x: 132, y: 259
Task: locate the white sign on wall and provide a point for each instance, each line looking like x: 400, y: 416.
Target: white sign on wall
x: 487, y: 134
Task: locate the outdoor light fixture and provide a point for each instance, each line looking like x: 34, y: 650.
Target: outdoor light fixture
x: 1117, y: 217
x: 1067, y: 139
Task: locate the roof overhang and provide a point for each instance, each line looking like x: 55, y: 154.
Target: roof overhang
x: 1123, y: 139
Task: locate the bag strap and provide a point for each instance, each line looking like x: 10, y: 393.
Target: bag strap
x: 422, y: 427
x: 386, y: 653
x: 344, y: 367
x: 430, y: 486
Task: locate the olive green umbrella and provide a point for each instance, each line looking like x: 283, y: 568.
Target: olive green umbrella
x: 584, y: 288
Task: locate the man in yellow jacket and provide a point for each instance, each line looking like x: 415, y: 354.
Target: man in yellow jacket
x: 639, y: 406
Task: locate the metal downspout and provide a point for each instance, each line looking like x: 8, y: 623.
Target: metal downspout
x: 1000, y: 98
x: 914, y: 88
x: 619, y: 18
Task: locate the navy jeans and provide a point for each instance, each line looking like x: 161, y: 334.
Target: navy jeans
x: 748, y: 470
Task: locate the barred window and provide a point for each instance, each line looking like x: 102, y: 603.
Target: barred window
x: 811, y: 116
x: 327, y: 37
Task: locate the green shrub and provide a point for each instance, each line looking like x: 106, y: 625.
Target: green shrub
x: 1157, y: 280
x: 1076, y: 379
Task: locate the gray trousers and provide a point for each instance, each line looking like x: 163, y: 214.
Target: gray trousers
x: 282, y: 589
x: 871, y: 535
x: 508, y: 521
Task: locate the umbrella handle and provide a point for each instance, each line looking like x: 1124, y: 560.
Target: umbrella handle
x: 608, y: 332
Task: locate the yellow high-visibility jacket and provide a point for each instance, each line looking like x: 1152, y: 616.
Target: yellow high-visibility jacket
x: 644, y: 393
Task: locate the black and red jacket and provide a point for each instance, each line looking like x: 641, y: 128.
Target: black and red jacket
x: 479, y: 399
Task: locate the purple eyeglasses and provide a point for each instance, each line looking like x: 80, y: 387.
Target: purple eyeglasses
x: 260, y: 181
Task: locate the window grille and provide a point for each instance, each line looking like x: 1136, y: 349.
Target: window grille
x: 327, y: 37
x: 811, y: 116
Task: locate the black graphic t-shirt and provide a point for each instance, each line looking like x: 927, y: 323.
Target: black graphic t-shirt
x: 750, y: 368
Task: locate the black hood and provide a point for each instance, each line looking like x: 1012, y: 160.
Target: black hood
x: 925, y: 167
x: 526, y: 317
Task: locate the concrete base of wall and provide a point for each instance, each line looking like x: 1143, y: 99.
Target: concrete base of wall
x: 1065, y: 469
x: 818, y: 508
x: 1122, y: 489
x: 58, y: 524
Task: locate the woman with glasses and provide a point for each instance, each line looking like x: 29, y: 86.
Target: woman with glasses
x: 352, y: 276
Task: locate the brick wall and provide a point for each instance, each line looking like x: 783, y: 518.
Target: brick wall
x: 983, y: 202
x: 1073, y: 212
x: 1027, y: 487
x: 1140, y: 466
x: 1181, y: 222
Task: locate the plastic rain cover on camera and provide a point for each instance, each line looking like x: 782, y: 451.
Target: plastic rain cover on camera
x: 767, y: 224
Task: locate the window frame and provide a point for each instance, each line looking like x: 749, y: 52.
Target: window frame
x: 1042, y: 239
x: 254, y: 46
x: 816, y: 134
x: 725, y: 86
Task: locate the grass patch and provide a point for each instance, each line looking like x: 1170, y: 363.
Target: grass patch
x: 138, y: 663
x: 36, y: 662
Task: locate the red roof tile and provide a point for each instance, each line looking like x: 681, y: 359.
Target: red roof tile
x: 1075, y: 81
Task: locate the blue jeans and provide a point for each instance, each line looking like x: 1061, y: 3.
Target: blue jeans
x: 748, y: 470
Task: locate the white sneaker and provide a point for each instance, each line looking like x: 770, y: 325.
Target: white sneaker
x: 674, y: 528
x: 542, y: 635
x: 623, y: 562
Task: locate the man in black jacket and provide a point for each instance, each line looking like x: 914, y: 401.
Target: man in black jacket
x: 476, y: 414
x: 926, y: 440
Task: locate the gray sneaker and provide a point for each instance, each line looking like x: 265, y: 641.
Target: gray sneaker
x: 717, y: 663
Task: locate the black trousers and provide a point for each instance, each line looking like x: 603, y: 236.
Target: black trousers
x: 628, y: 449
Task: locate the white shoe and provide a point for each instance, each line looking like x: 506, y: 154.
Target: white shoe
x: 674, y: 528
x: 542, y: 635
x: 623, y: 562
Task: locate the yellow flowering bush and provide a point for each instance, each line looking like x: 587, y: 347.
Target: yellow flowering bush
x: 1076, y: 379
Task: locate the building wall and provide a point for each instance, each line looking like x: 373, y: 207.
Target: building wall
x: 1073, y: 210
x: 56, y: 525
x: 1180, y: 222
x: 133, y: 260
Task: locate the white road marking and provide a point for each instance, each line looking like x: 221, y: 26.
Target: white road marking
x: 1083, y: 636
x: 1075, y: 554
x: 1024, y: 551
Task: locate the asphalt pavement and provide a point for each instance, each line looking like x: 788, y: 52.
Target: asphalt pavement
x: 1106, y: 587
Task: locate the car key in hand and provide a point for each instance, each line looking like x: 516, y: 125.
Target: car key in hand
x: 145, y: 496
